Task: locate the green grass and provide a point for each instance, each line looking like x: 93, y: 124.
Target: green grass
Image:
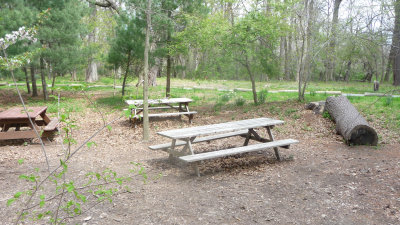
x: 384, y: 109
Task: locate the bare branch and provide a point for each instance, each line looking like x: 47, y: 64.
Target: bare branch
x: 105, y: 4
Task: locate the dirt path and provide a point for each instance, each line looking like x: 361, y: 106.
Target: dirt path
x: 320, y: 180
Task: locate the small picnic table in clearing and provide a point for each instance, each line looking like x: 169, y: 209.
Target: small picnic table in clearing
x: 179, y: 104
x: 186, y: 137
x: 17, y: 117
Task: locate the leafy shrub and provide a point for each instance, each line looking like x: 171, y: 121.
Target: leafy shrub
x: 388, y: 101
x: 240, y: 101
x: 262, y: 97
x: 327, y: 115
x: 225, y: 98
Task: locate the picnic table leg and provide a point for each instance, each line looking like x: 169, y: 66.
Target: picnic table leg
x: 171, y: 156
x: 271, y: 136
x: 6, y: 127
x: 248, y: 135
x: 189, y: 144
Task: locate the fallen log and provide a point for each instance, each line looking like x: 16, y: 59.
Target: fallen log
x: 350, y: 123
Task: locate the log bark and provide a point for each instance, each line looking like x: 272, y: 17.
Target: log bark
x: 350, y: 123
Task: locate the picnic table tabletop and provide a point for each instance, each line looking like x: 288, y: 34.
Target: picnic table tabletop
x: 19, y: 113
x: 160, y: 101
x: 219, y: 128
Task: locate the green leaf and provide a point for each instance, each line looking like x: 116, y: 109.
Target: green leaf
x: 64, y: 165
x: 90, y: 144
x: 109, y: 127
x: 40, y: 216
x: 18, y: 194
x: 42, y: 197
x: 41, y: 204
x: 20, y: 161
x: 10, y: 201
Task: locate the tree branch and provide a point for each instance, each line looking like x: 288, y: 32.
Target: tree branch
x: 105, y: 4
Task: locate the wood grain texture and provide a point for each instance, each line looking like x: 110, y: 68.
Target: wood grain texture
x: 235, y: 151
x: 200, y: 139
x: 219, y: 128
x: 350, y: 123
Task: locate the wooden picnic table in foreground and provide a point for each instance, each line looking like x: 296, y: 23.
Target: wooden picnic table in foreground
x: 179, y: 105
x: 18, y: 118
x: 186, y: 137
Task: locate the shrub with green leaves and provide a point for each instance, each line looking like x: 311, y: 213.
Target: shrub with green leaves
x: 240, y: 101
x: 262, y: 97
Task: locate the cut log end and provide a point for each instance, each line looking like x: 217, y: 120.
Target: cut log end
x: 363, y: 135
x: 350, y: 123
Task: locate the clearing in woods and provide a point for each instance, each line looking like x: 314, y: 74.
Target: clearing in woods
x: 320, y: 180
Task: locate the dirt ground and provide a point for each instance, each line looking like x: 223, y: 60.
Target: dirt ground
x: 320, y: 180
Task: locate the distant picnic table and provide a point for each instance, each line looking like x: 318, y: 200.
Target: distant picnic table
x: 18, y: 118
x: 179, y: 105
x: 186, y: 137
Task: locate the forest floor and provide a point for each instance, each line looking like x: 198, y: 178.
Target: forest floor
x: 319, y: 181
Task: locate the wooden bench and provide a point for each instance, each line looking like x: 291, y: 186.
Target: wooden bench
x: 165, y: 146
x: 166, y: 114
x: 238, y: 150
x: 52, y: 125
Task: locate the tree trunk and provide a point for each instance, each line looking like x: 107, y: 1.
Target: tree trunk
x: 168, y: 87
x: 28, y: 86
x: 73, y: 74
x: 396, y: 37
x: 146, y: 130
x: 91, y: 71
x: 331, y: 59
x: 350, y: 123
x: 43, y: 76
x: 394, y: 56
x: 281, y: 58
x: 347, y: 74
x: 53, y: 83
x: 306, y: 49
x: 33, y: 79
x: 253, y: 82
x: 126, y: 73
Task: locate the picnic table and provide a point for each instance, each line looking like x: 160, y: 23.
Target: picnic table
x: 18, y: 118
x: 179, y: 105
x: 186, y: 137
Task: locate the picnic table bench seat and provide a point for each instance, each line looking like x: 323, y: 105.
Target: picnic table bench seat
x: 165, y: 146
x: 238, y: 150
x: 52, y: 125
x: 165, y: 114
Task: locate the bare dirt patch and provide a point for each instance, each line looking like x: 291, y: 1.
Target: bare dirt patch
x: 320, y: 180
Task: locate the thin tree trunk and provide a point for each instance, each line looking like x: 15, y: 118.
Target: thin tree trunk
x: 168, y: 87
x: 28, y: 87
x: 43, y: 76
x: 91, y: 71
x: 253, y: 82
x: 53, y: 83
x: 146, y: 131
x: 126, y: 73
x: 331, y: 60
x: 347, y: 74
x: 33, y: 79
x: 396, y: 41
x: 73, y: 75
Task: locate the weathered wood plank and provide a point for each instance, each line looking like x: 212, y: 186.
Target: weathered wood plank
x: 219, y: 128
x: 159, y: 101
x: 167, y: 114
x: 200, y: 139
x: 161, y: 107
x: 52, y: 125
x: 19, y: 113
x: 238, y: 150
x: 9, y: 135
